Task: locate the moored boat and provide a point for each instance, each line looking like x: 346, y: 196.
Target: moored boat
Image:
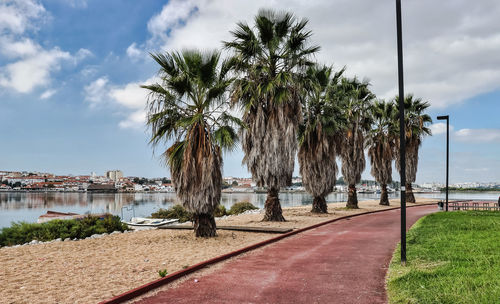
x: 56, y: 215
x: 365, y: 191
x: 142, y: 222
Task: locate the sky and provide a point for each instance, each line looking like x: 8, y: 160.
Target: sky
x: 70, y: 101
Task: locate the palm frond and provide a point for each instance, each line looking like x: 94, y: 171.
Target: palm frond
x: 226, y: 137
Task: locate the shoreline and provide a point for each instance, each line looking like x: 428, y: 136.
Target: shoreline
x: 228, y: 192
x: 98, y: 269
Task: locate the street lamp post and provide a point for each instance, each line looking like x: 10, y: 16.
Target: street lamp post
x: 447, y: 118
x: 402, y: 137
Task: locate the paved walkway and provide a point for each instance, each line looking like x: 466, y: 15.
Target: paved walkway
x: 342, y: 262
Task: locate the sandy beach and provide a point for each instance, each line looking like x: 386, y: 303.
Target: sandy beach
x: 92, y: 270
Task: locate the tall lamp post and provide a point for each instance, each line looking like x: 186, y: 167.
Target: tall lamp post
x: 447, y: 118
x: 402, y: 137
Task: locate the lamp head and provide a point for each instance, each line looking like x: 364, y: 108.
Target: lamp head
x: 444, y: 117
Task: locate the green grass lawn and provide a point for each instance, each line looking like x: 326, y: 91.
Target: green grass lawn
x: 452, y: 257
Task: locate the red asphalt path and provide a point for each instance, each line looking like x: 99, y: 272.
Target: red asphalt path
x: 342, y: 262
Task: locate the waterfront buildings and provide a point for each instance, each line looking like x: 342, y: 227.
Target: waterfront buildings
x: 36, y: 181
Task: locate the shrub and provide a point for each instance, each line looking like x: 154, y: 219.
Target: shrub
x: 220, y: 210
x: 162, y: 272
x: 241, y: 207
x: 176, y: 212
x: 22, y: 232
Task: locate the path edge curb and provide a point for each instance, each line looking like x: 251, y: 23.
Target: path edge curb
x: 184, y: 272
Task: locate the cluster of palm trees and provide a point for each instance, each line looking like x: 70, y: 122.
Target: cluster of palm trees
x: 287, y: 103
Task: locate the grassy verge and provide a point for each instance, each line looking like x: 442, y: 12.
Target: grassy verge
x: 452, y: 257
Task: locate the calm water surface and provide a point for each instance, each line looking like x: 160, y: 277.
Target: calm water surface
x: 24, y: 206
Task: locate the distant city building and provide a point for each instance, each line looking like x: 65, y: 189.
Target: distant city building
x: 433, y: 185
x: 114, y: 175
x: 101, y: 188
x: 240, y: 180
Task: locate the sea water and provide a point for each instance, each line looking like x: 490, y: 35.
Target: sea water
x: 28, y: 206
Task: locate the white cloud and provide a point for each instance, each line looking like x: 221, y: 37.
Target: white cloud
x: 97, y: 91
x: 468, y: 135
x: 48, y: 93
x: 28, y: 64
x: 89, y: 71
x: 131, y: 96
x: 130, y: 99
x: 133, y: 52
x: 82, y: 54
x: 451, y: 49
x: 477, y: 169
x: 76, y: 3
x: 15, y: 49
x: 135, y: 120
x: 17, y: 16
x: 134, y: 98
x: 439, y: 128
x: 33, y: 71
x: 172, y: 15
x: 478, y: 135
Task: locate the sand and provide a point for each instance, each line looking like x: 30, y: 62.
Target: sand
x: 92, y: 270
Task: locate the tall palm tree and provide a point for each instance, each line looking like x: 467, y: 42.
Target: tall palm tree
x: 317, y: 135
x: 271, y: 58
x: 416, y: 127
x: 381, y: 143
x: 355, y: 99
x: 188, y: 107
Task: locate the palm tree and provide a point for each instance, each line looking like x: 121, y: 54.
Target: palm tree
x: 317, y: 135
x: 416, y: 127
x: 355, y: 99
x: 381, y: 143
x: 188, y: 107
x: 271, y: 58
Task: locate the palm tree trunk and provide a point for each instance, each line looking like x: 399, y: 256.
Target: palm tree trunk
x: 352, y: 198
x: 204, y: 225
x: 410, y: 198
x: 319, y: 205
x: 273, y: 207
x: 384, y: 197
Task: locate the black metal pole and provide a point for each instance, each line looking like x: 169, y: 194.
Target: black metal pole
x: 447, y: 117
x: 402, y: 137
x: 447, y: 156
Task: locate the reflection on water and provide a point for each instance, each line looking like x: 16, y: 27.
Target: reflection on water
x: 28, y: 206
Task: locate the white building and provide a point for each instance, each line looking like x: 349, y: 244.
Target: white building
x: 114, y: 175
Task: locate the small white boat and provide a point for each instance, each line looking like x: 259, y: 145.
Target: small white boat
x: 366, y: 191
x: 142, y: 222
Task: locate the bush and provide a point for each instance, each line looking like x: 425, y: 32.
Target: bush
x: 220, y: 210
x: 22, y: 232
x: 176, y: 212
x: 241, y: 207
x: 162, y: 272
